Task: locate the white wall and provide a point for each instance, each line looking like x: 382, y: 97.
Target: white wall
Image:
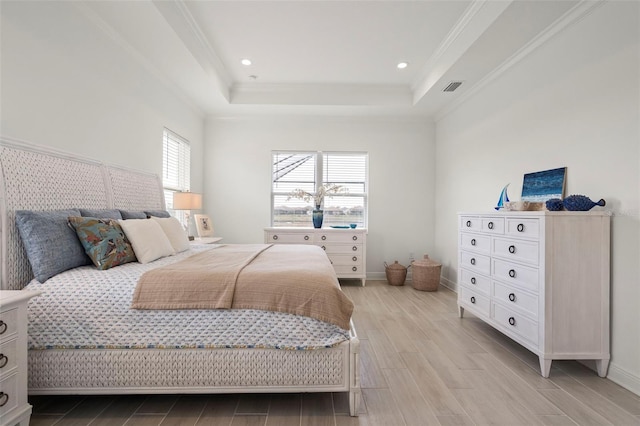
x: 573, y: 102
x: 401, y: 177
x: 66, y: 84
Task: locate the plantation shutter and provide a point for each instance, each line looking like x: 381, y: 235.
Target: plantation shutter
x: 176, y: 165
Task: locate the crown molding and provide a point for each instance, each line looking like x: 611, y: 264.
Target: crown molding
x: 572, y: 16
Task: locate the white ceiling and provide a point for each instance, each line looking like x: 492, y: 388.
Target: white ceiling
x: 329, y: 57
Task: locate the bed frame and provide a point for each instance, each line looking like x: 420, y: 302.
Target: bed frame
x: 33, y: 177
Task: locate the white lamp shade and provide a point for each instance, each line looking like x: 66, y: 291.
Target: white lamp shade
x: 187, y: 201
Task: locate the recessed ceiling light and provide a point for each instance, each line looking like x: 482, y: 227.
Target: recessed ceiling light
x: 246, y: 62
x: 402, y: 65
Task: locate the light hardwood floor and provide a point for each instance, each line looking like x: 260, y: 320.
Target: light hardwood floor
x: 420, y: 365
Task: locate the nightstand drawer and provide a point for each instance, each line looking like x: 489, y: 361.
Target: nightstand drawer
x: 512, y: 249
x: 8, y: 360
x: 8, y: 324
x: 9, y: 395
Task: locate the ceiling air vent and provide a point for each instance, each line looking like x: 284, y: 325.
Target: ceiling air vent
x: 452, y: 86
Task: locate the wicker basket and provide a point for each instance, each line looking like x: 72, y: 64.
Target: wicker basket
x: 396, y: 273
x: 426, y: 274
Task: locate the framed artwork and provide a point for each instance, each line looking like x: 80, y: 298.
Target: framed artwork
x: 203, y: 225
x: 544, y: 185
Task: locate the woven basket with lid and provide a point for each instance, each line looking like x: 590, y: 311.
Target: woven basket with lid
x: 426, y: 274
x: 396, y: 273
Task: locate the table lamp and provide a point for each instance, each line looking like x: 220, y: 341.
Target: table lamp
x: 187, y: 201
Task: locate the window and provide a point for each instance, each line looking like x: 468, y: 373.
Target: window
x: 307, y: 171
x: 176, y: 165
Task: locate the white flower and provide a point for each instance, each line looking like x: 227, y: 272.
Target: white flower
x: 319, y: 195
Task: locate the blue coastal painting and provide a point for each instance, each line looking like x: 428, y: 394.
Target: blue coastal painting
x: 541, y: 186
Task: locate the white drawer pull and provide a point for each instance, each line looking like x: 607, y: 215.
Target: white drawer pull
x: 512, y: 321
x: 473, y: 261
x: 473, y: 299
x: 512, y: 297
x: 275, y: 237
x: 512, y: 249
x: 520, y: 227
x: 324, y: 237
x: 473, y: 280
x: 354, y: 269
x: 490, y: 225
x: 512, y: 273
x: 3, y: 360
x: 473, y: 241
x: 468, y: 224
x: 355, y: 238
x: 354, y: 248
x: 306, y: 238
x: 355, y: 259
x: 4, y: 398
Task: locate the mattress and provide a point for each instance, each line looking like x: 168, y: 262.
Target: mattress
x: 86, y: 308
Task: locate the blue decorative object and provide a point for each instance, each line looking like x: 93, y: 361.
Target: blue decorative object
x: 554, y: 204
x: 317, y: 218
x: 504, y: 198
x: 581, y: 203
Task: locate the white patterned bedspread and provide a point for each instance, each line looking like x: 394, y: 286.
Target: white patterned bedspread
x: 90, y: 309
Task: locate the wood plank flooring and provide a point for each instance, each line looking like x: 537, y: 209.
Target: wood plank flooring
x: 420, y: 365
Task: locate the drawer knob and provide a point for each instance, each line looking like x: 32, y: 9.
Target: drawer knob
x: 520, y: 227
x: 468, y: 224
x: 473, y: 299
x: 490, y: 225
x: 512, y: 297
x: 3, y: 327
x: 473, y: 280
x: 354, y: 248
x: 512, y: 321
x: 306, y: 238
x: 324, y: 248
x: 354, y: 269
x: 355, y: 238
x: 473, y: 241
x: 473, y: 261
x: 512, y: 249
x: 355, y: 259
x: 3, y: 360
x: 512, y: 273
x: 275, y: 237
x: 4, y: 398
x: 324, y: 237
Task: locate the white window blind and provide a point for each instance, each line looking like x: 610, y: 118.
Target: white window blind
x: 306, y: 170
x: 176, y: 165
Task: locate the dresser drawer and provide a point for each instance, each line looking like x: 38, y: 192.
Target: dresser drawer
x: 475, y: 301
x: 8, y: 359
x: 338, y: 237
x: 357, y: 249
x: 347, y: 270
x: 289, y: 238
x: 493, y: 225
x: 475, y: 242
x: 524, y: 251
x: 516, y: 298
x: 529, y: 228
x: 512, y: 273
x: 470, y: 223
x: 8, y: 324
x: 345, y: 259
x: 475, y: 281
x: 475, y: 262
x: 9, y: 394
x: 514, y: 322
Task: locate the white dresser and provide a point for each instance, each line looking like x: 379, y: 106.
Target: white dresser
x: 346, y: 248
x: 541, y: 278
x: 14, y: 407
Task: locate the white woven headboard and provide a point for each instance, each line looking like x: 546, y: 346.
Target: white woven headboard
x: 33, y: 177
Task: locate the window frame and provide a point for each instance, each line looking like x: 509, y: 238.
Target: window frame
x: 182, y: 164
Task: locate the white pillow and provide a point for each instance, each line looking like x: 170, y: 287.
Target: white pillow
x: 174, y: 232
x: 147, y: 238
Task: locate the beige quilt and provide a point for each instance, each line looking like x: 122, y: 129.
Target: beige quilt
x: 297, y: 279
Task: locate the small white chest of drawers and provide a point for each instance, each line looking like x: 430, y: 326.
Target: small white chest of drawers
x: 346, y: 248
x: 541, y: 278
x: 14, y: 407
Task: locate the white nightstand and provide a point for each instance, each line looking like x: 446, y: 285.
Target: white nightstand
x: 206, y: 240
x: 14, y: 407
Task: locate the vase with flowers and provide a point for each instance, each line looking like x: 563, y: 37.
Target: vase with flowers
x: 318, y: 198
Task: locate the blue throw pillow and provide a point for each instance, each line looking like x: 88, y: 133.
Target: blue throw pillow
x: 52, y: 246
x: 104, y: 241
x: 133, y: 215
x: 157, y: 213
x: 101, y: 213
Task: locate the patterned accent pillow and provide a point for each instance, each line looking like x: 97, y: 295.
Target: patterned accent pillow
x: 127, y: 214
x: 51, y: 245
x: 104, y: 241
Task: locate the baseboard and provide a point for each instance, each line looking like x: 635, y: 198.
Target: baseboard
x: 624, y: 378
x: 451, y: 285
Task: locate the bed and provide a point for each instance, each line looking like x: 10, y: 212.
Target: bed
x: 84, y: 338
